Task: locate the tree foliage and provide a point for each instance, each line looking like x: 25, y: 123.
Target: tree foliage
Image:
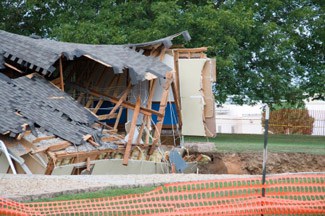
x: 266, y: 51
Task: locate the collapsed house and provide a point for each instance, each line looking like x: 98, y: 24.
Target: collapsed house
x: 69, y: 108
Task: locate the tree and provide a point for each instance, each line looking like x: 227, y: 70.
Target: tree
x: 266, y: 51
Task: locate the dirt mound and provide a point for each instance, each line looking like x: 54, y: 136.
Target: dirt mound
x: 251, y: 163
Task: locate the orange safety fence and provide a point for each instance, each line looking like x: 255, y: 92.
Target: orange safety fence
x: 292, y: 194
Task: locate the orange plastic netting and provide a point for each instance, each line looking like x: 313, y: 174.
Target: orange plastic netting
x: 285, y: 195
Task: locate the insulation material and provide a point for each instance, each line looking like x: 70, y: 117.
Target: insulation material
x: 210, y: 124
x: 207, y: 90
x: 213, y: 70
x: 191, y: 96
x: 208, y: 76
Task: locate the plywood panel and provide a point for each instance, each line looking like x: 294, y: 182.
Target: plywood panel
x: 63, y: 170
x: 4, y: 165
x: 115, y: 166
x: 191, y: 96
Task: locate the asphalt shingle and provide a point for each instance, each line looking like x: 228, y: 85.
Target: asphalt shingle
x: 36, y: 101
x: 43, y: 53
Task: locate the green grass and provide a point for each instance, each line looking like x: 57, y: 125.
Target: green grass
x: 98, y: 194
x: 276, y: 143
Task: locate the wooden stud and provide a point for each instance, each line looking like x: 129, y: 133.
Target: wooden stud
x: 162, y: 108
x: 177, y: 104
x: 147, y: 119
x: 132, y: 129
x: 118, y: 118
x: 61, y: 74
x: 50, y: 167
x: 88, y: 164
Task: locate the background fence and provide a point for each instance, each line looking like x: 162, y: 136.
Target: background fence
x: 285, y: 195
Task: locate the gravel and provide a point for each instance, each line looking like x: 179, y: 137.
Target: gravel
x: 32, y: 187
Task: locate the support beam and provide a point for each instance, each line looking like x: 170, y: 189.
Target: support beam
x: 131, y: 134
x: 147, y: 119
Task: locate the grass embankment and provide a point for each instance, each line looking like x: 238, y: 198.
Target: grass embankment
x: 276, y: 143
x: 99, y: 194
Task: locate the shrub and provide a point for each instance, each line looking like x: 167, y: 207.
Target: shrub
x: 290, y: 121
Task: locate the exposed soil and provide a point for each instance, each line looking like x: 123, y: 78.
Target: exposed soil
x: 251, y: 163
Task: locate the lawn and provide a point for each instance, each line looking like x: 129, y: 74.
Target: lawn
x: 98, y: 194
x: 276, y: 143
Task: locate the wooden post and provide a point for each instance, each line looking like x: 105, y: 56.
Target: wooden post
x: 131, y: 134
x: 147, y: 119
x: 61, y: 74
x: 162, y: 108
x: 118, y: 118
x: 178, y: 104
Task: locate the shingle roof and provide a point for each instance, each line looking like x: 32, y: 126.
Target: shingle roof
x: 41, y: 54
x: 36, y: 101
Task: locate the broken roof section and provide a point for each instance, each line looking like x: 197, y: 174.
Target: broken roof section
x: 41, y: 54
x: 166, y: 41
x: 27, y: 101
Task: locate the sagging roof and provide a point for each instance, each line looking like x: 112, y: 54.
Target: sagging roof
x: 33, y: 101
x: 41, y: 54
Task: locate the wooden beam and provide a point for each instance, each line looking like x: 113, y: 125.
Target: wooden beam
x: 61, y: 74
x: 162, y: 108
x: 118, y: 118
x: 39, y: 139
x: 177, y: 84
x: 177, y: 104
x: 50, y: 167
x: 147, y: 119
x: 118, y: 104
x: 125, y: 104
x: 191, y: 50
x: 99, y: 61
x: 12, y: 67
x: 93, y: 143
x: 131, y: 134
x: 88, y: 164
x: 55, y: 147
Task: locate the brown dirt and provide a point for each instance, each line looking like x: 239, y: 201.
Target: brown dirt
x: 251, y: 163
